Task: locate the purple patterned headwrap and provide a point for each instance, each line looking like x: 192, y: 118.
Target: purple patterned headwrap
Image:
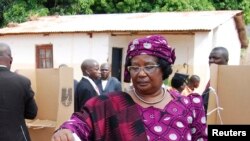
x: 154, y: 45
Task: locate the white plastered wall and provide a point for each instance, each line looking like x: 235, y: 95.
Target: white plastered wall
x: 226, y: 35
x: 70, y: 49
x: 202, y: 46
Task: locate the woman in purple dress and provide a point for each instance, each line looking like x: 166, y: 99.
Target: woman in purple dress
x: 147, y: 112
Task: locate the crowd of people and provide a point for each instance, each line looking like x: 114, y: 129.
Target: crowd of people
x: 103, y: 111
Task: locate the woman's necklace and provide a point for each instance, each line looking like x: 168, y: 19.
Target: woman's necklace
x: 147, y: 102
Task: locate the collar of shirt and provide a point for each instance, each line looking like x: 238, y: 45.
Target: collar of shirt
x: 93, y: 84
x: 3, y: 66
x: 104, y: 83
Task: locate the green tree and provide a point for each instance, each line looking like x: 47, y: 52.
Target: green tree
x: 116, y: 6
x: 22, y: 10
x: 3, y: 6
x: 69, y: 7
x: 128, y: 6
x: 243, y: 5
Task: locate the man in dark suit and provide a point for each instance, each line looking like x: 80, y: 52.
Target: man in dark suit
x: 86, y: 88
x: 107, y: 83
x: 16, y: 100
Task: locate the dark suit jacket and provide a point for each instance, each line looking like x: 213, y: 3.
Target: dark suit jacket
x: 16, y: 104
x: 113, y: 84
x: 84, y: 91
x: 205, y: 96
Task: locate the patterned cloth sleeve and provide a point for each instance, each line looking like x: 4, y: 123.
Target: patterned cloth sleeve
x: 78, y: 125
x: 108, y: 117
x: 199, y: 126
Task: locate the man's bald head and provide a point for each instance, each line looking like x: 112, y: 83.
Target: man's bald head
x: 90, y: 67
x: 4, y: 49
x: 5, y: 55
x: 219, y: 55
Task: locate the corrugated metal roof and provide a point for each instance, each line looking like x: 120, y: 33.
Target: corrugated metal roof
x: 132, y: 22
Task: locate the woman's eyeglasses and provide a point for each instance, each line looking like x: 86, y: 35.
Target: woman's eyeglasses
x: 148, y: 69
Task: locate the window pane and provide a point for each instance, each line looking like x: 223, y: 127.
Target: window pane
x: 48, y: 63
x: 44, y: 56
x: 48, y: 53
x: 42, y: 63
x: 41, y: 53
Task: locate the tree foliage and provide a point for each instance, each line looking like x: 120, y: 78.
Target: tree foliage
x: 23, y: 10
x: 243, y: 5
x: 20, y: 10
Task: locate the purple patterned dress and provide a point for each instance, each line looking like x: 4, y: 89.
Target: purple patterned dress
x: 116, y: 117
x: 182, y: 119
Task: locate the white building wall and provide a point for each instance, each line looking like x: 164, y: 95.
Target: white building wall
x: 226, y: 35
x: 202, y: 46
x: 86, y: 47
x: 184, y: 46
x: 70, y: 49
x: 23, y: 52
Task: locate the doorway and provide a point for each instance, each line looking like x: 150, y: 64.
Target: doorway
x: 116, y: 62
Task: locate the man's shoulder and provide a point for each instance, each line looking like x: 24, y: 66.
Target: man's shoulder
x: 20, y: 77
x: 84, y: 82
x: 114, y: 79
x: 98, y: 81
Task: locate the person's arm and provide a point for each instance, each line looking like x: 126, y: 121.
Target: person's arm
x: 205, y: 97
x: 63, y: 135
x: 30, y: 103
x: 199, y: 126
x: 78, y: 125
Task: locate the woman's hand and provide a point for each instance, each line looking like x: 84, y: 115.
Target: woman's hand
x: 63, y: 135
